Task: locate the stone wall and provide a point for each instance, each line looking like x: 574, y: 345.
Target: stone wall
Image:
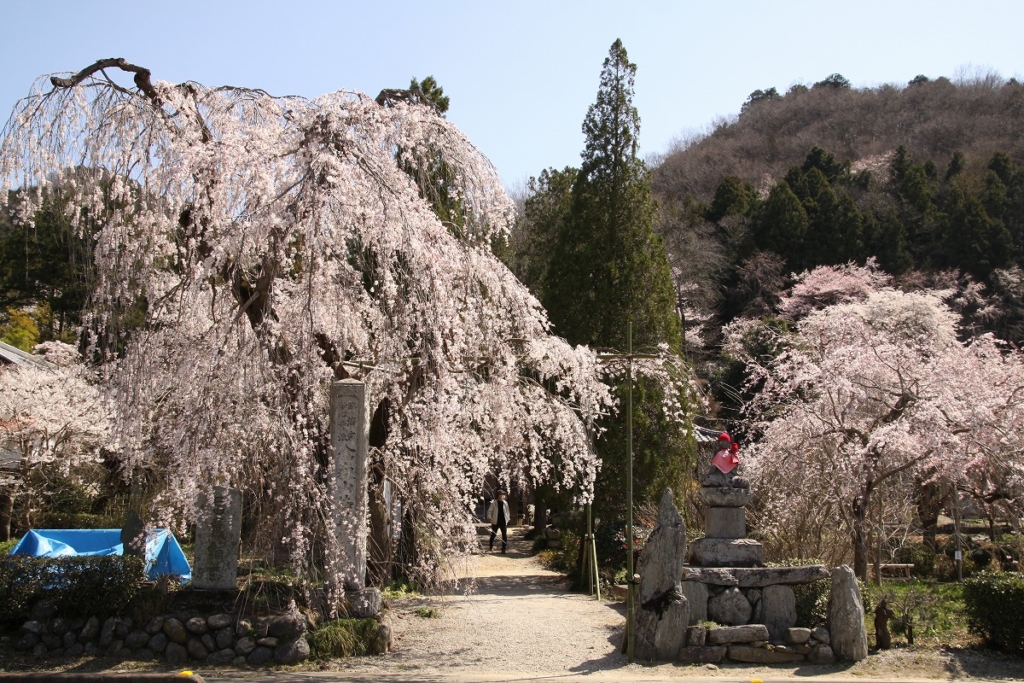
x: 752, y: 644
x: 216, y: 640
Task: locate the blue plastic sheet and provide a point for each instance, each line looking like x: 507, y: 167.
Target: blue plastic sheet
x: 163, y: 554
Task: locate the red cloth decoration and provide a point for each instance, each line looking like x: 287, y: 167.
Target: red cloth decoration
x: 726, y: 460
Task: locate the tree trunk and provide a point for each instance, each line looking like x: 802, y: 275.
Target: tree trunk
x: 539, y: 516
x: 860, y: 538
x: 379, y: 539
x: 6, y: 512
x: 930, y: 499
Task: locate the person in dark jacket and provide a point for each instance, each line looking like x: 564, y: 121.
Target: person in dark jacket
x: 498, y: 515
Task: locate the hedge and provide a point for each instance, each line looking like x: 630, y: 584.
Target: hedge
x: 995, y: 608
x: 95, y: 585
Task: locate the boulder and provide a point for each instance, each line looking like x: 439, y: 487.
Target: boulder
x: 291, y: 652
x: 778, y: 611
x: 39, y: 650
x: 729, y: 607
x: 51, y: 641
x: 208, y: 642
x: 821, y: 654
x: 92, y: 649
x: 711, y: 654
x: 821, y: 634
x: 36, y: 627
x: 259, y: 656
x: 76, y: 650
x: 157, y: 643
x: 68, y: 640
x: 59, y: 626
x: 849, y: 635
x: 243, y: 628
x: 761, y: 655
x: 797, y: 636
x: 696, y: 595
x: 27, y: 641
x: 287, y: 626
x: 107, y: 632
x: 122, y: 627
x: 750, y: 633
x: 221, y: 657
x: 90, y: 630
x: 175, y: 631
x: 114, y: 647
x: 224, y: 637
x: 196, y: 649
x: 219, y: 621
x: 136, y: 639
x: 269, y: 641
x: 696, y: 636
x: 197, y: 626
x: 155, y: 625
x: 245, y: 645
x: 175, y: 654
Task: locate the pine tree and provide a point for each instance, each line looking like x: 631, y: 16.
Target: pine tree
x: 608, y: 269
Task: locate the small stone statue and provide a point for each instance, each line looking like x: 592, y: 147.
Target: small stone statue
x: 725, y: 469
x: 883, y: 641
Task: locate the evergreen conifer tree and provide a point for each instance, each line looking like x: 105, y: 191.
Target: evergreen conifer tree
x: 609, y: 268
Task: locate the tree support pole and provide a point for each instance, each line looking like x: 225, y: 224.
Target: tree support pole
x: 631, y: 584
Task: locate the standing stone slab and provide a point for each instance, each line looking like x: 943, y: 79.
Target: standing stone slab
x: 778, y: 611
x: 849, y: 636
x: 348, y: 441
x: 218, y: 533
x: 696, y: 595
x: 662, y: 611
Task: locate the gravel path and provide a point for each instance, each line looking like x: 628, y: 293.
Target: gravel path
x: 518, y: 619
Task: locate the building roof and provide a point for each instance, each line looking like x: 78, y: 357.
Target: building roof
x: 12, y: 355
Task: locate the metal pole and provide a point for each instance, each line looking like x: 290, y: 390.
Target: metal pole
x: 588, y: 543
x: 597, y: 577
x: 956, y: 532
x: 631, y: 585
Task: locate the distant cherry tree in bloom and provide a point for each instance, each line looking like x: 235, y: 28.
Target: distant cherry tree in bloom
x: 273, y: 244
x: 54, y: 420
x: 872, y: 395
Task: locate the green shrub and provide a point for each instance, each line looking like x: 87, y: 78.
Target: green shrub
x: 77, y: 586
x: 995, y: 608
x: 427, y: 612
x: 347, y: 638
x: 8, y: 546
x: 611, y: 543
x: 811, y: 603
x: 919, y: 555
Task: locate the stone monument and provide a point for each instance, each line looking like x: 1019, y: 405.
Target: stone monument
x: 218, y: 532
x: 726, y: 580
x: 349, y: 434
x: 662, y: 612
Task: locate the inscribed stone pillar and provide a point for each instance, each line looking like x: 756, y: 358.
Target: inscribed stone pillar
x: 348, y: 441
x: 218, y: 532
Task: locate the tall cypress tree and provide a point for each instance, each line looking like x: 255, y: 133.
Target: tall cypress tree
x: 609, y: 268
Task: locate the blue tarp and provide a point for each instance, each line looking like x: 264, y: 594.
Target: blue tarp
x: 163, y: 554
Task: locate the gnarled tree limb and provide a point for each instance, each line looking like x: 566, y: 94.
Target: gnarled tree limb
x: 142, y: 76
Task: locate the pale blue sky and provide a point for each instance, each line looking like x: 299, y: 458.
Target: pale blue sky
x: 520, y: 74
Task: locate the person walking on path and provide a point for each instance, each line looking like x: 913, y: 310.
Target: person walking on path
x: 498, y: 515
